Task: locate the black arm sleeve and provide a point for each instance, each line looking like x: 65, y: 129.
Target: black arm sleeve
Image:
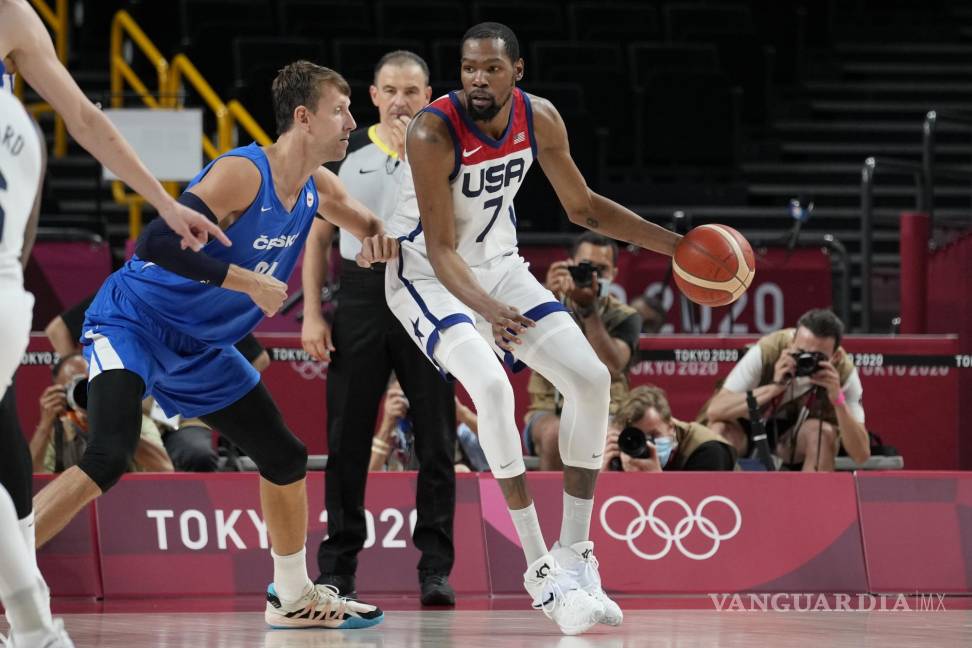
x: 163, y: 247
x: 711, y: 455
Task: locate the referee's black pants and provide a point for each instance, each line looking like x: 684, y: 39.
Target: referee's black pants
x: 370, y: 343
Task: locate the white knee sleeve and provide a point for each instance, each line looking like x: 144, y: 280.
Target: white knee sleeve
x: 558, y: 350
x: 465, y: 355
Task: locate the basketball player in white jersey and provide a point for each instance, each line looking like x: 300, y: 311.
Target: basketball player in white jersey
x: 464, y: 294
x: 22, y: 589
x: 26, y: 48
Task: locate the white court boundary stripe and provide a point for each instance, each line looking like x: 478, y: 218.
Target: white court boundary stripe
x: 734, y: 245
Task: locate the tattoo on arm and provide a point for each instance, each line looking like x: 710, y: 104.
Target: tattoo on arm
x: 593, y: 222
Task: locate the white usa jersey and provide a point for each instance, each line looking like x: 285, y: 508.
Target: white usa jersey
x: 20, y: 169
x: 484, y: 180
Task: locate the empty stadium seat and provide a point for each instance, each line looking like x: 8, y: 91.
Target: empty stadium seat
x: 355, y: 58
x: 600, y: 69
x: 208, y: 28
x: 687, y: 118
x: 444, y: 59
x: 326, y: 18
x: 530, y: 20
x: 683, y: 21
x: 256, y: 61
x: 623, y: 21
x: 421, y: 20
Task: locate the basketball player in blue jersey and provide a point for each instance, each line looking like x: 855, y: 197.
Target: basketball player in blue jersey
x: 463, y: 291
x: 166, y: 322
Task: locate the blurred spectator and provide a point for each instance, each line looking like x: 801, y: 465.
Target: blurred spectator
x: 670, y: 444
x: 807, y: 390
x: 652, y: 313
x: 393, y: 446
x: 188, y: 442
x: 62, y: 433
x: 610, y: 326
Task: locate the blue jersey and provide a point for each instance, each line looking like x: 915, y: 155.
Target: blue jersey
x: 266, y: 239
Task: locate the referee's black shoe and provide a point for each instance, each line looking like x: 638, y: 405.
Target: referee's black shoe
x: 343, y: 582
x: 436, y: 589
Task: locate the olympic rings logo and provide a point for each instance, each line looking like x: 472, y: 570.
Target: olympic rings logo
x: 310, y: 369
x: 660, y: 528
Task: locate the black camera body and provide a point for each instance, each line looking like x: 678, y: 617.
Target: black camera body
x: 808, y: 362
x: 633, y: 443
x: 582, y: 274
x: 76, y: 392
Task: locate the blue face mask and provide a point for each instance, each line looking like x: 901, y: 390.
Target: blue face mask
x: 663, y: 448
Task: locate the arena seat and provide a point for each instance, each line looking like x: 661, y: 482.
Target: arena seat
x: 623, y: 21
x: 687, y: 118
x: 531, y: 20
x: 208, y: 28
x: 256, y: 61
x: 355, y: 58
x: 326, y: 19
x: 681, y: 20
x: 425, y: 21
x: 600, y: 69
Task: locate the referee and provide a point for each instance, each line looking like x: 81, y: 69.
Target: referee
x: 367, y: 343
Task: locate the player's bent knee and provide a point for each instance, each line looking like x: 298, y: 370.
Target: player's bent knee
x: 105, y: 467
x: 284, y: 463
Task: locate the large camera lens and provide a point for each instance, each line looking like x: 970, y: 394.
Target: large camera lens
x: 808, y: 362
x: 76, y: 391
x: 632, y: 442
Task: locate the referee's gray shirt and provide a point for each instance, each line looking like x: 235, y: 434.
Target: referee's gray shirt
x: 372, y: 173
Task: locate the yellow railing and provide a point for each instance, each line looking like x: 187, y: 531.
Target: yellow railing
x: 57, y: 21
x: 169, y: 81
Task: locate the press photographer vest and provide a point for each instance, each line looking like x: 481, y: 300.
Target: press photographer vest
x: 690, y: 436
x: 772, y: 347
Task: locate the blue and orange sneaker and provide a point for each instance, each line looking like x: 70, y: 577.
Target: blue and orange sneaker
x: 320, y: 607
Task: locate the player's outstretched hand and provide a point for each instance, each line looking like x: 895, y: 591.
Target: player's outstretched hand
x: 508, y: 324
x: 377, y: 249
x: 194, y: 228
x: 315, y: 336
x: 268, y: 293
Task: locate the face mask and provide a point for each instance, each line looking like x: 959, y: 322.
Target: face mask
x: 663, y: 448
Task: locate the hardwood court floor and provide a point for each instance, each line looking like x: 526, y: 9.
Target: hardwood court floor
x: 498, y: 628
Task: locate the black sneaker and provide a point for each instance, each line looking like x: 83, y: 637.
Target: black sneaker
x: 343, y: 582
x: 436, y: 589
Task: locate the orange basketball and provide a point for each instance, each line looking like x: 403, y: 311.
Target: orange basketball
x: 713, y: 265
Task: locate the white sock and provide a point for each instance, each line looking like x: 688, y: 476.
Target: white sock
x: 27, y: 530
x: 290, y: 575
x: 576, y: 526
x: 22, y: 589
x: 528, y: 528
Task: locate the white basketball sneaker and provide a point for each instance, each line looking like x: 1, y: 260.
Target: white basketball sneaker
x: 578, y: 559
x: 320, y: 607
x: 556, y: 592
x: 55, y: 637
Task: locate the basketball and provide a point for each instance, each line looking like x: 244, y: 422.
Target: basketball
x: 713, y: 265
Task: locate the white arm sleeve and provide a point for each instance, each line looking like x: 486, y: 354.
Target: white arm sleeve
x: 854, y: 392
x: 747, y: 372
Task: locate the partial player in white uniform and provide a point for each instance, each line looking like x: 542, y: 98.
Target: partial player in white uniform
x: 22, y: 589
x: 464, y: 293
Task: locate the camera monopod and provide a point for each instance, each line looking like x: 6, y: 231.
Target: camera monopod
x: 759, y: 433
